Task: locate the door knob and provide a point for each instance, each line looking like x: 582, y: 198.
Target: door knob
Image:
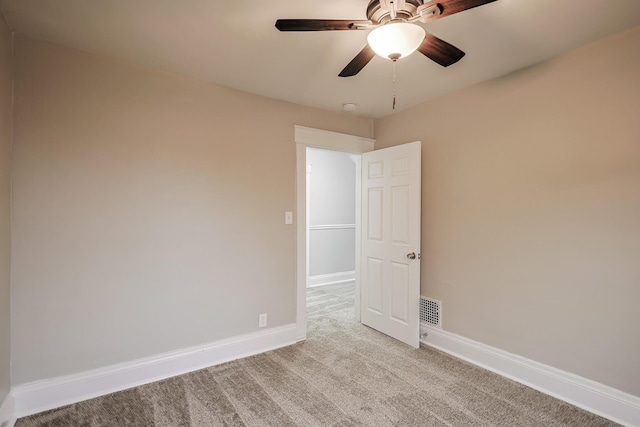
x: 411, y: 255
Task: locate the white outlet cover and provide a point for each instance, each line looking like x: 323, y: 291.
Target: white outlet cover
x: 288, y: 218
x: 262, y: 320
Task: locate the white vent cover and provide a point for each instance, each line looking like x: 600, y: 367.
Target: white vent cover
x: 431, y: 311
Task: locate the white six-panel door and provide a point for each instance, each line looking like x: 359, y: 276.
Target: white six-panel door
x: 390, y: 260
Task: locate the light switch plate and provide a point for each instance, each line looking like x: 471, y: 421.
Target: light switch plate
x: 288, y: 218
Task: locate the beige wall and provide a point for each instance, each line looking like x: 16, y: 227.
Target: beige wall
x: 531, y: 209
x: 148, y: 211
x: 5, y: 206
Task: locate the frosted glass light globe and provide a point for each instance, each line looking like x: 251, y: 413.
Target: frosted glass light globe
x: 396, y: 40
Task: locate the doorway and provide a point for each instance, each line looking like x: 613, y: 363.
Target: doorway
x: 331, y: 217
x: 315, y: 138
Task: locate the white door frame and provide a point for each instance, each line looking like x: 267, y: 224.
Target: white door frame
x: 317, y: 138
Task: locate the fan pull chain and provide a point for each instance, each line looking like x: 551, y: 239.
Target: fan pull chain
x: 393, y: 105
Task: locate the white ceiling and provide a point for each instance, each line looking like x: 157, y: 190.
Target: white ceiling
x: 235, y: 43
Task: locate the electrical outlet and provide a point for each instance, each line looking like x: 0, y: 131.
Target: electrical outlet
x: 262, y: 320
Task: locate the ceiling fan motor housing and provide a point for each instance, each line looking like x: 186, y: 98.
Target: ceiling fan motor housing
x: 379, y: 14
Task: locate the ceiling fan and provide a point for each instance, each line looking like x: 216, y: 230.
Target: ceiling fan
x: 396, y: 33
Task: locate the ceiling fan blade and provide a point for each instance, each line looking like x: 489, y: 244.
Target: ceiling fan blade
x: 439, y: 50
x: 358, y: 63
x: 449, y: 7
x: 320, y: 24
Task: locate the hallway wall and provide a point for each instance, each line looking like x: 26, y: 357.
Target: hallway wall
x: 331, y: 216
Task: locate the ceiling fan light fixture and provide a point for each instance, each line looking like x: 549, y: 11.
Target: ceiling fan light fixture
x: 396, y: 40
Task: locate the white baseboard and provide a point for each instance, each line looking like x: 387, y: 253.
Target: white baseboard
x: 594, y: 397
x: 7, y: 411
x: 48, y: 394
x: 330, y: 279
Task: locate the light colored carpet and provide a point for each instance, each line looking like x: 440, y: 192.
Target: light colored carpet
x: 345, y: 374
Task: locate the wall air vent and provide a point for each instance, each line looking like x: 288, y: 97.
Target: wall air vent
x: 431, y: 311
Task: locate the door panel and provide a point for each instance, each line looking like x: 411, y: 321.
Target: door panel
x: 400, y: 210
x: 399, y: 293
x: 390, y: 284
x: 374, y: 210
x: 374, y: 273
